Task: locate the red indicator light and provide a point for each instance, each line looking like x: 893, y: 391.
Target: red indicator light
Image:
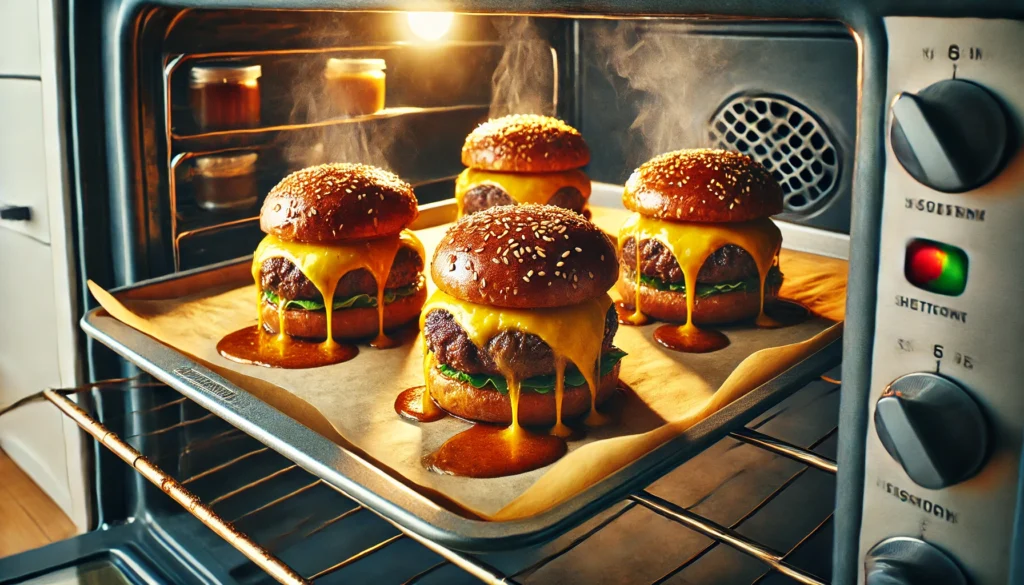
x: 936, y: 267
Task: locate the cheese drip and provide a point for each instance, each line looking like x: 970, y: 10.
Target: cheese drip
x: 575, y: 334
x: 522, y: 187
x: 325, y: 264
x: 693, y: 242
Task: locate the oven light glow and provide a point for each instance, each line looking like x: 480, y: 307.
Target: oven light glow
x: 430, y: 26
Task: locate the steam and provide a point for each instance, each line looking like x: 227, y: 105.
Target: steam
x: 368, y: 142
x: 525, y: 81
x: 664, y: 70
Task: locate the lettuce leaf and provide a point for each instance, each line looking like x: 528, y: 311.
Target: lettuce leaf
x: 539, y: 384
x: 707, y: 290
x: 354, y: 302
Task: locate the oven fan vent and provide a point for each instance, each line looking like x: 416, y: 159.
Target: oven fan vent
x: 788, y: 140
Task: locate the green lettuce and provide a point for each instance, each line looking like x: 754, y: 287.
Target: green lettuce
x: 707, y: 290
x: 539, y: 384
x: 359, y: 301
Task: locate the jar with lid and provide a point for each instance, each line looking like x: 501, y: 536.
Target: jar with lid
x: 355, y: 86
x: 225, y: 96
x: 226, y: 182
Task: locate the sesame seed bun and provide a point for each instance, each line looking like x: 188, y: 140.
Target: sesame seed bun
x: 670, y: 306
x: 703, y: 185
x: 487, y: 405
x: 358, y: 323
x: 338, y: 202
x: 525, y: 257
x: 525, y: 143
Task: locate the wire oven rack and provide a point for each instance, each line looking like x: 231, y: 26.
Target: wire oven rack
x: 264, y: 505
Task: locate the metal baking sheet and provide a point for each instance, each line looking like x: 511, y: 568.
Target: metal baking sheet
x: 376, y: 489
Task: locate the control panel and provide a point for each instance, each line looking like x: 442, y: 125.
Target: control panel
x: 946, y: 406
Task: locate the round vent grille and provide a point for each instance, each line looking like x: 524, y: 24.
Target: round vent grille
x: 788, y: 140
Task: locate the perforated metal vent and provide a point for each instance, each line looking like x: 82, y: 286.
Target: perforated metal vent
x: 788, y: 140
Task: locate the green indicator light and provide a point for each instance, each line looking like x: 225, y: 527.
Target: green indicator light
x: 936, y: 267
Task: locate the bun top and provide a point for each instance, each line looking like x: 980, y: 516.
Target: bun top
x: 338, y: 202
x: 525, y: 143
x: 703, y: 185
x: 525, y: 257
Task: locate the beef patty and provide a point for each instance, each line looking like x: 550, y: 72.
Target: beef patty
x: 527, y: 354
x: 727, y: 264
x: 281, y: 277
x: 484, y: 197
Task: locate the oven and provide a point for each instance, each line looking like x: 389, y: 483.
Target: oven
x: 893, y: 130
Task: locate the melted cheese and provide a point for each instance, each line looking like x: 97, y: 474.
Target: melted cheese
x: 575, y: 334
x: 522, y: 187
x: 325, y: 264
x: 692, y: 243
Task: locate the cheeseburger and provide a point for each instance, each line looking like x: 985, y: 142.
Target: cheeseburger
x: 337, y: 256
x: 520, y: 329
x: 700, y: 247
x: 523, y: 158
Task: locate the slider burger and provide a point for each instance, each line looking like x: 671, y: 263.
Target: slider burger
x: 701, y: 218
x: 520, y: 329
x: 523, y: 158
x: 337, y: 232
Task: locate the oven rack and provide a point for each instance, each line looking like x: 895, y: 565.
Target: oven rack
x: 291, y: 485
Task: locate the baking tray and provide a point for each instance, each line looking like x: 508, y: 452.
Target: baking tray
x: 374, y: 488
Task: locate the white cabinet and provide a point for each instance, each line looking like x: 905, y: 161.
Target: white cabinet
x: 33, y: 435
x: 23, y: 155
x: 37, y: 272
x: 19, y: 38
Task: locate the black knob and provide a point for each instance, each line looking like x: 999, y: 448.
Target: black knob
x: 952, y: 136
x: 15, y: 212
x: 933, y: 428
x: 909, y: 561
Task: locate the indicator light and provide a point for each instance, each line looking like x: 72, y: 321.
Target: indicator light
x: 936, y: 267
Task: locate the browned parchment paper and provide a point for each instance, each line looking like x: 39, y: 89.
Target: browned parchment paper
x: 353, y: 403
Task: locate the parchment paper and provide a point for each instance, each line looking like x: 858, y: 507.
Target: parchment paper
x: 353, y: 403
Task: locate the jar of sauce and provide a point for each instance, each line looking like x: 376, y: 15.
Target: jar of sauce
x: 225, y: 96
x: 355, y: 86
x: 226, y: 182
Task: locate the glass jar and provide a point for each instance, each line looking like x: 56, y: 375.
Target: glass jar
x: 355, y: 86
x: 225, y: 96
x: 226, y: 182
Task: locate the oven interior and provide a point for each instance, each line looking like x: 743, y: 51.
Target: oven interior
x: 783, y: 92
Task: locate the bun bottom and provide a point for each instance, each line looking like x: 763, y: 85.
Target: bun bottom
x: 466, y: 401
x: 670, y: 306
x: 346, y: 323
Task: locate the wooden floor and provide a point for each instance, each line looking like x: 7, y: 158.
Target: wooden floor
x: 28, y: 517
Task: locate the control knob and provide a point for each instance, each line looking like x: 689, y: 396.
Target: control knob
x: 909, y: 561
x: 952, y: 136
x: 933, y: 428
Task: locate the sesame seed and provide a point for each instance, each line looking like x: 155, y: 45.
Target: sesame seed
x: 578, y: 249
x: 526, y: 278
x: 495, y: 260
x: 566, y: 254
x: 560, y: 264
